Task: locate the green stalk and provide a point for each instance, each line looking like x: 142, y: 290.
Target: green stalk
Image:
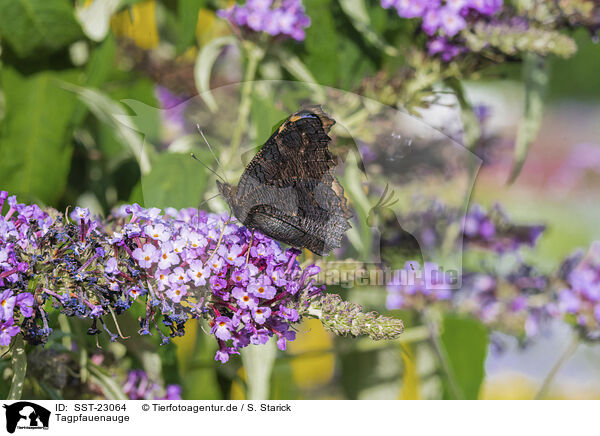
x: 254, y: 54
x: 19, y: 364
x: 259, y: 361
x: 564, y: 357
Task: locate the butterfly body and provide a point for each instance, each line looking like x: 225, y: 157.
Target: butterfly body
x: 289, y: 191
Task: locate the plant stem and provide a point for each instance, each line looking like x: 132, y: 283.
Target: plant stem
x: 564, y: 357
x: 19, y: 364
x: 254, y: 54
x: 259, y: 362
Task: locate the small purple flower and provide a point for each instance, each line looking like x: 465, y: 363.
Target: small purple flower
x: 262, y: 288
x: 216, y: 264
x: 244, y: 299
x: 277, y: 276
x: 25, y: 303
x: 568, y: 302
x: 146, y: 255
x: 222, y: 328
x: 218, y: 287
x: 178, y: 277
x: 112, y: 266
x: 233, y: 256
x: 97, y: 311
x: 7, y: 304
x: 260, y: 337
x: 240, y: 276
x: 173, y: 393
x: 451, y: 21
x: 134, y: 292
x: 288, y: 313
x: 457, y: 5
x: 196, y: 240
x: 222, y: 356
x: 260, y: 314
x: 162, y: 277
x: 289, y: 335
x: 431, y: 22
x: 410, y: 8
x: 158, y: 232
x: 7, y: 331
x: 198, y: 273
x: 168, y: 257
x: 80, y: 214
x: 176, y: 293
x: 486, y: 7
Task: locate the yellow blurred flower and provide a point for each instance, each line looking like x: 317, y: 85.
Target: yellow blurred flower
x: 138, y: 23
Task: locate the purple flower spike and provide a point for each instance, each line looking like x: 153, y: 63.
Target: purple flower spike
x: 285, y: 19
x: 442, y: 20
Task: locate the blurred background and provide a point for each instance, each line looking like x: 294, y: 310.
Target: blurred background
x: 480, y: 117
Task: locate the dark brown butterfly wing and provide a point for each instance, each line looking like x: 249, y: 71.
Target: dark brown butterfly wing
x: 289, y: 191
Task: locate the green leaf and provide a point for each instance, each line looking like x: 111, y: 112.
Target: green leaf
x: 35, y: 142
x: 321, y: 42
x: 19, y: 365
x: 176, y: 180
x: 107, y: 383
x: 535, y: 73
x: 187, y: 19
x: 465, y: 345
x: 266, y: 116
x: 114, y: 115
x: 30, y: 25
x: 204, y: 64
x: 301, y: 72
x: 101, y: 63
x: 356, y: 10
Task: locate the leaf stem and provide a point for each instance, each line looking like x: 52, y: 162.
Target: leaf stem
x: 19, y: 364
x: 564, y: 357
x: 254, y: 54
x: 259, y: 362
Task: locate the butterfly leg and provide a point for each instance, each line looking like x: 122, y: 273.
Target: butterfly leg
x: 249, y: 247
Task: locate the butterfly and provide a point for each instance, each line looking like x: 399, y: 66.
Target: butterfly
x: 289, y: 191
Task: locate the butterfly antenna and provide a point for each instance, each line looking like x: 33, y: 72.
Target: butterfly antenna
x: 208, y: 168
x: 211, y: 150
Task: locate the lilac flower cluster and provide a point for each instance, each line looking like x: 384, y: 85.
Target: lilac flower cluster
x: 184, y: 264
x: 415, y: 288
x: 139, y: 387
x: 21, y: 230
x: 489, y: 229
x: 517, y: 302
x: 275, y: 17
x: 580, y: 299
x: 495, y: 231
x: 442, y: 20
x: 173, y: 108
x: 244, y: 283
